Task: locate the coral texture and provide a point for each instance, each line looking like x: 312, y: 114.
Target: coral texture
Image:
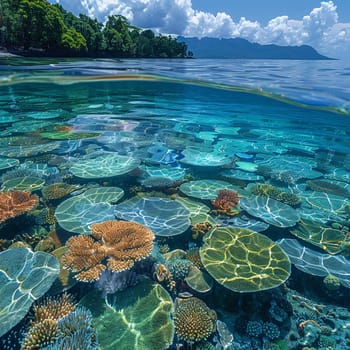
x: 40, y: 334
x: 225, y: 200
x: 194, y: 321
x: 54, y: 308
x: 58, y: 190
x: 122, y: 243
x: 15, y: 203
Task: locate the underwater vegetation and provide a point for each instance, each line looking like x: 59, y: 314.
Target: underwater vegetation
x: 142, y: 225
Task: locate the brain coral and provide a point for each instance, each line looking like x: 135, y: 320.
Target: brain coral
x: 194, y: 321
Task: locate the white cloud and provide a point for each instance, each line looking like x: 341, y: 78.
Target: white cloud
x: 320, y: 28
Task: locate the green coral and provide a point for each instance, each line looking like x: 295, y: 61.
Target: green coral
x: 276, y: 193
x: 331, y: 282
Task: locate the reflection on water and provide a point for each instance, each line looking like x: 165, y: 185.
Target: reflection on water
x: 218, y: 171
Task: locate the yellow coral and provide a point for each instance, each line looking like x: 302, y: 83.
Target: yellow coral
x: 54, y: 308
x: 194, y: 321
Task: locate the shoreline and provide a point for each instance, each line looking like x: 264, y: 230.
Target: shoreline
x: 6, y: 54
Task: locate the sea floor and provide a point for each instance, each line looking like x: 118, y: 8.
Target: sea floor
x: 141, y: 212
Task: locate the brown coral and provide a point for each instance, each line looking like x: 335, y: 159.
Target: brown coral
x: 192, y: 255
x: 225, y: 201
x: 194, y: 321
x: 58, y: 190
x: 200, y: 229
x: 40, y: 335
x: 122, y: 243
x: 54, y: 308
x: 84, y: 256
x: 15, y: 203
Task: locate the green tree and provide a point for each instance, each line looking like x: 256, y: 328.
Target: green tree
x: 73, y: 41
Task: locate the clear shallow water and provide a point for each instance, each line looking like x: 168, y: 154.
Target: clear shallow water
x: 189, y: 128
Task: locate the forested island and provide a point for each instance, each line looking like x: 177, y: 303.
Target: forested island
x: 38, y: 28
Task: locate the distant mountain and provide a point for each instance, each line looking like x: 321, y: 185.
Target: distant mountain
x: 241, y: 48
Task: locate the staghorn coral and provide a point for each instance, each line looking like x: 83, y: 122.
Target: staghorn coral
x: 122, y: 243
x: 194, y: 321
x: 54, y: 308
x: 15, y: 203
x: 40, y: 335
x: 225, y: 201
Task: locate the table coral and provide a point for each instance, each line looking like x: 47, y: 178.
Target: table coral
x: 15, y: 203
x: 122, y: 243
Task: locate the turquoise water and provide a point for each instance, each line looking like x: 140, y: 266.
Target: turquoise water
x: 157, y: 142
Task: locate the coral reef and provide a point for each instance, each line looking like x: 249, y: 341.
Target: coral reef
x: 121, y: 243
x: 254, y: 328
x: 40, y: 334
x: 331, y: 283
x: 53, y: 308
x: 276, y: 193
x: 194, y: 321
x: 192, y: 255
x: 58, y: 190
x: 162, y: 273
x: 327, y: 187
x: 15, y: 203
x: 200, y: 229
x: 75, y: 332
x: 179, y: 268
x: 225, y: 201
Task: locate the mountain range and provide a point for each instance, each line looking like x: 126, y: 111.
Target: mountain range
x: 241, y: 48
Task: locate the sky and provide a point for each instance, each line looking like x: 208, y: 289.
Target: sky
x: 325, y: 25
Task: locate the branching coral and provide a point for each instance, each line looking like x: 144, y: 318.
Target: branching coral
x: 54, y: 308
x: 194, y: 321
x: 41, y: 334
x: 122, y: 243
x: 225, y: 201
x: 15, y: 203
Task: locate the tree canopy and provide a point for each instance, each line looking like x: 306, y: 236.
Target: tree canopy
x: 32, y: 25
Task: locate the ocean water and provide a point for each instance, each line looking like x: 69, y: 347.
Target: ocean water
x: 238, y: 172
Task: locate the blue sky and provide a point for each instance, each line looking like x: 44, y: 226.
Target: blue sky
x: 325, y: 25
x: 264, y: 10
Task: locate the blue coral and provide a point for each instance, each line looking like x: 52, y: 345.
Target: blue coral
x: 271, y: 330
x: 179, y: 268
x: 254, y: 328
x: 76, y: 332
